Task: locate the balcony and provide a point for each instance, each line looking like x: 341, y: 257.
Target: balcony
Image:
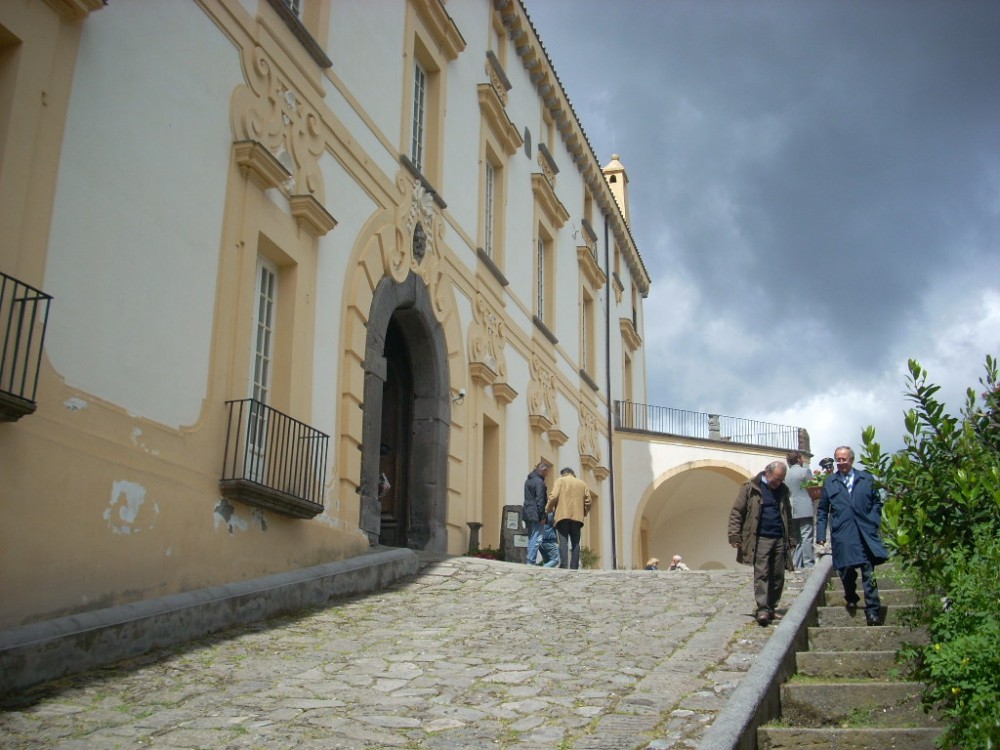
x: 24, y: 316
x: 661, y: 420
x: 272, y: 461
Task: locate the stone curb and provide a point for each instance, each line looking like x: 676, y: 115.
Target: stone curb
x: 757, y: 699
x: 55, y: 648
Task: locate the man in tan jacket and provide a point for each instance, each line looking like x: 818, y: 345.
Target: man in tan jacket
x: 761, y: 530
x: 570, y: 499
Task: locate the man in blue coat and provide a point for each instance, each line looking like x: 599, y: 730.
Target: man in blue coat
x: 853, y: 508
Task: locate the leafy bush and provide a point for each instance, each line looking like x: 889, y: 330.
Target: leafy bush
x: 941, y: 519
x: 589, y: 558
x: 816, y: 479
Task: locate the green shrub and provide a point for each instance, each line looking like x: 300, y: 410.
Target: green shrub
x: 589, y: 558
x: 941, y: 520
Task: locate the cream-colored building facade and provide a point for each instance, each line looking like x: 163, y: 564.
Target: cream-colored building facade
x: 284, y: 279
x: 291, y: 248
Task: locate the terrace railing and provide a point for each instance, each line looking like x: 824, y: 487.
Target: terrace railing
x: 663, y: 420
x: 24, y: 317
x: 273, y: 461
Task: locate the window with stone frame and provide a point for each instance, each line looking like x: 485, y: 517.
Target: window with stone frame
x: 544, y: 276
x: 588, y: 325
x: 418, y: 119
x: 431, y: 41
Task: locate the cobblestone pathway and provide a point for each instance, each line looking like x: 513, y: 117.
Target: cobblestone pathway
x: 466, y: 654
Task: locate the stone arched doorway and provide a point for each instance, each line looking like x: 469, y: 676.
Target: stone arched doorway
x: 686, y: 512
x: 406, y: 418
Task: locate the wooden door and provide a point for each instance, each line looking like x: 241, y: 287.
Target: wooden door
x: 394, y: 446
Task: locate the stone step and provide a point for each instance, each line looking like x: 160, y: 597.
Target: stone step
x: 839, y: 617
x: 799, y: 738
x: 835, y: 597
x: 851, y: 638
x: 853, y: 704
x: 871, y: 665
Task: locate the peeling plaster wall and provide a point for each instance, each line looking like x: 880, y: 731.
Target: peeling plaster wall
x: 122, y: 513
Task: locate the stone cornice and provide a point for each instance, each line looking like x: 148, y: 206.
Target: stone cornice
x: 311, y: 215
x: 300, y: 32
x: 441, y: 26
x: 629, y: 335
x: 592, y: 272
x: 547, y: 199
x: 481, y: 373
x: 74, y: 10
x: 498, y: 120
x: 497, y: 76
x: 503, y: 393
x: 260, y: 165
x: 558, y: 437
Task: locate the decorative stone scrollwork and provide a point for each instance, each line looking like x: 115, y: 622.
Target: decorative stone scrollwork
x: 267, y: 110
x: 546, y: 164
x: 497, y: 77
x: 419, y: 236
x: 487, y: 338
x: 589, y: 439
x: 543, y: 413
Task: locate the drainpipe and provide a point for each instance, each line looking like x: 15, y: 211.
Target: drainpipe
x: 607, y: 372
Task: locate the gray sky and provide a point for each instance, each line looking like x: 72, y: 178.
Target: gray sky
x: 815, y: 190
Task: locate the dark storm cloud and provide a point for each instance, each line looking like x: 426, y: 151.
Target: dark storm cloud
x: 802, y: 173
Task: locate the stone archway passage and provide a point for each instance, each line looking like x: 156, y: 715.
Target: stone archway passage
x: 408, y: 307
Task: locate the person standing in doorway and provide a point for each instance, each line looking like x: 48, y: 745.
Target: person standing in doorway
x: 802, y: 511
x: 853, y: 507
x: 570, y: 499
x: 760, y: 528
x: 535, y: 498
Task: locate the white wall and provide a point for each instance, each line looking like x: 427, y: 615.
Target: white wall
x: 139, y: 197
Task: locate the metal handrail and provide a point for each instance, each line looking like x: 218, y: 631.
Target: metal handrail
x: 24, y: 318
x: 275, y: 451
x: 664, y: 420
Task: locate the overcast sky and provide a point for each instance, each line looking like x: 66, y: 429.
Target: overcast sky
x: 814, y: 188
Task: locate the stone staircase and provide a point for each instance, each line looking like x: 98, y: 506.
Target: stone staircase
x: 847, y: 692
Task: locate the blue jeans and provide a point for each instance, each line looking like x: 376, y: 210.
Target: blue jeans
x: 535, y: 529
x: 804, y: 556
x: 550, y: 554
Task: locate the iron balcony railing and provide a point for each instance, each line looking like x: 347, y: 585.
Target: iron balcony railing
x: 663, y: 420
x: 273, y: 460
x: 24, y: 316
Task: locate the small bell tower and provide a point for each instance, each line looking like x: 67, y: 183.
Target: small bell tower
x: 615, y: 174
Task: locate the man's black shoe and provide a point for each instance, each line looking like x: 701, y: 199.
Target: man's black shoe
x: 873, y: 621
x: 763, y: 618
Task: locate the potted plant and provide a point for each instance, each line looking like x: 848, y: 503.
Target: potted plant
x: 814, y: 484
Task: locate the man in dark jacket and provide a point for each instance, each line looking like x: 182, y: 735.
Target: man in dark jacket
x: 536, y: 495
x: 853, y: 508
x: 760, y: 528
